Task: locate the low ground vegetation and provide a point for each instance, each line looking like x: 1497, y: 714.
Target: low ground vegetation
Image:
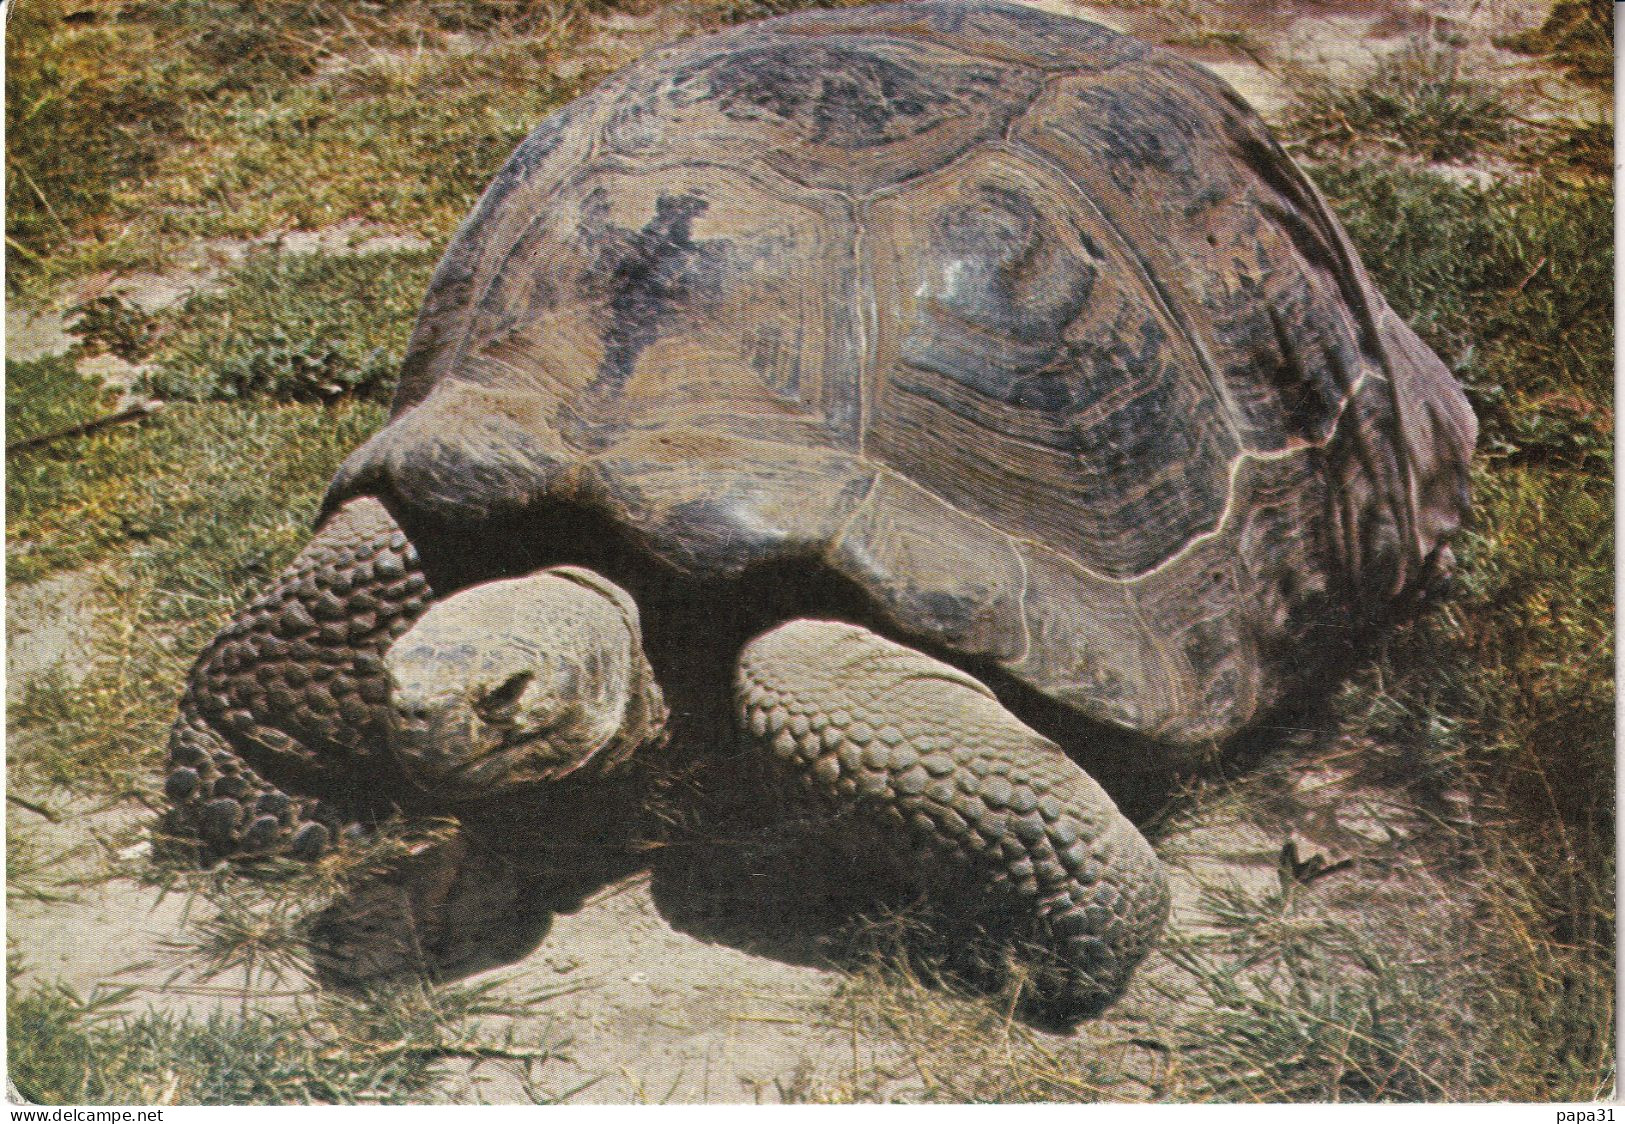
x: 142, y: 127
x: 385, y: 1048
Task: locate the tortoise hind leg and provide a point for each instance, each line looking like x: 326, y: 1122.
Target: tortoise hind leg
x: 935, y: 769
x: 294, y: 691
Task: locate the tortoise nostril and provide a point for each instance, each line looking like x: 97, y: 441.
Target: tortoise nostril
x: 412, y: 714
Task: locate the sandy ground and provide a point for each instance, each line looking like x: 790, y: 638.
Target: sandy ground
x: 647, y: 1014
x: 652, y: 1014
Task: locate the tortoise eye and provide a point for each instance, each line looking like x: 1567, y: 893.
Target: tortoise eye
x: 497, y: 706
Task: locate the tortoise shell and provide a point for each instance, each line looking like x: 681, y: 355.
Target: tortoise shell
x: 1026, y: 328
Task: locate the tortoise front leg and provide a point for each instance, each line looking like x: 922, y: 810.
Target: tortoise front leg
x: 294, y: 692
x: 928, y: 762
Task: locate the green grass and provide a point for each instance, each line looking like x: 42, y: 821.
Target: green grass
x: 1420, y: 101
x: 409, y: 141
x: 387, y: 1048
x: 270, y: 1038
x: 295, y: 327
x: 76, y: 502
x: 135, y: 128
x: 1509, y: 691
x: 46, y: 395
x: 87, y: 109
x: 1514, y: 285
x: 285, y: 329
x: 195, y: 509
x: 34, y: 871
x: 187, y: 515
x: 1511, y: 284
x: 184, y: 516
x: 109, y: 323
x: 1582, y: 148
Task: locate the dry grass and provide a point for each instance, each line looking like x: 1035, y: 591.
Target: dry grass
x: 1425, y: 102
x: 387, y: 1048
x: 134, y: 128
x: 1475, y: 961
x: 1578, y: 36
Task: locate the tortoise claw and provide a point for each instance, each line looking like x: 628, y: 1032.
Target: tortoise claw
x: 261, y: 835
x: 181, y: 785
x: 218, y: 819
x: 309, y: 842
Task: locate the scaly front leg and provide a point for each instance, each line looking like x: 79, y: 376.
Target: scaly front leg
x: 293, y: 693
x: 924, y: 763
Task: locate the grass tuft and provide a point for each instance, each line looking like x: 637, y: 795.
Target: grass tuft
x: 295, y: 328
x: 113, y: 325
x: 1582, y: 149
x: 1512, y: 286
x: 1419, y: 100
x: 1511, y: 689
x: 386, y: 1048
x: 1282, y: 997
x: 922, y: 1043
x: 1579, y: 36
x: 1195, y: 26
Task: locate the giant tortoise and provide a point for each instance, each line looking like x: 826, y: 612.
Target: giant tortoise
x: 892, y: 403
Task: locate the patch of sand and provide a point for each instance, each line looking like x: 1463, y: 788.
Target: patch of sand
x: 48, y: 630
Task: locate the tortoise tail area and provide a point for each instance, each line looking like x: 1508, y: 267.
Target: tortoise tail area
x: 1436, y: 435
x: 1399, y: 459
x: 1399, y: 470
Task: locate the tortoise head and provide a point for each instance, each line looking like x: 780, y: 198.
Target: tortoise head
x: 518, y: 682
